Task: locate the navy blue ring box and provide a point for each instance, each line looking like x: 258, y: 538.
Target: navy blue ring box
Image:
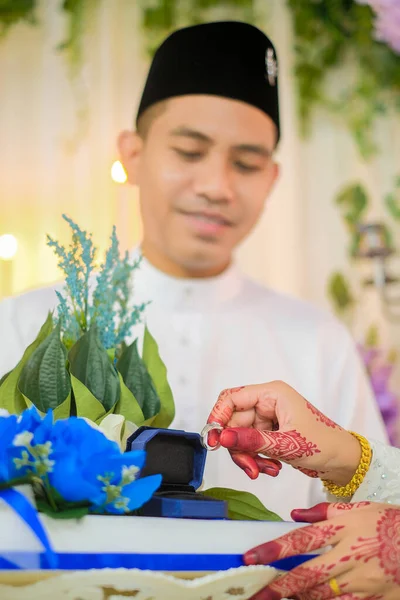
x: 180, y: 458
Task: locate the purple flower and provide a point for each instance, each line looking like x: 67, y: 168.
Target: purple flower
x: 379, y: 370
x: 387, y: 21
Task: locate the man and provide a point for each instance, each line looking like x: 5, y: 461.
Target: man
x: 202, y: 156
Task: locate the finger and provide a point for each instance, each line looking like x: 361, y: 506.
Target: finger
x: 298, y: 541
x: 300, y: 581
x: 260, y: 397
x: 325, y: 510
x: 213, y: 438
x: 254, y: 465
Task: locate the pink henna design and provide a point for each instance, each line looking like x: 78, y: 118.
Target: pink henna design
x: 320, y: 417
x: 222, y: 413
x: 385, y: 546
x: 300, y: 579
x: 296, y: 542
x: 284, y: 445
x: 308, y: 472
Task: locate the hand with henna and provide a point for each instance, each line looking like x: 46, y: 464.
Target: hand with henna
x: 363, y: 562
x: 274, y: 421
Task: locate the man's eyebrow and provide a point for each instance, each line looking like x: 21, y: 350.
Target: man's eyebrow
x: 184, y: 131
x: 191, y: 133
x: 254, y: 149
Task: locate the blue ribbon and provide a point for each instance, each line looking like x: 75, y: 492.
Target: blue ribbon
x: 154, y: 562
x: 29, y: 515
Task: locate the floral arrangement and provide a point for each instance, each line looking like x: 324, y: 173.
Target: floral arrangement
x: 80, y: 390
x: 73, y: 468
x: 79, y: 364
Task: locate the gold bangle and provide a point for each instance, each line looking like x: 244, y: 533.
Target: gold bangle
x: 350, y: 489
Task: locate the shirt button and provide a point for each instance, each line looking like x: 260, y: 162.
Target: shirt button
x: 184, y: 341
x: 183, y: 380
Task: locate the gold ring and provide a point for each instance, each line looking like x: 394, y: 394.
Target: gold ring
x: 333, y: 584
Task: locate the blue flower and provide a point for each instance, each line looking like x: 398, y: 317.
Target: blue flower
x: 8, y: 430
x: 88, y: 467
x: 31, y: 447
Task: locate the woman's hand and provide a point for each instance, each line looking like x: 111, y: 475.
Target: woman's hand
x: 272, y: 419
x: 363, y: 563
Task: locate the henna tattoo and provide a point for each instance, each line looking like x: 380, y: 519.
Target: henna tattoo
x: 222, y: 413
x: 301, y: 579
x: 288, y: 445
x: 297, y: 541
x: 320, y: 417
x: 309, y: 472
x: 385, y: 546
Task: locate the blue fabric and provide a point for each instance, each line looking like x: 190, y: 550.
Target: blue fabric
x: 154, y: 562
x: 29, y: 515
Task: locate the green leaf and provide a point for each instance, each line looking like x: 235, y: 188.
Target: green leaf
x: 72, y: 512
x: 128, y: 406
x: 354, y: 202
x: 10, y: 397
x: 242, y: 506
x: 138, y: 380
x: 44, y: 378
x: 63, y: 411
x: 393, y: 205
x: 339, y: 292
x: 158, y: 373
x: 86, y: 404
x: 89, y: 362
x: 2, y: 380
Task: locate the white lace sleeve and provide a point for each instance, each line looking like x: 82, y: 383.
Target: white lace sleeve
x: 382, y: 482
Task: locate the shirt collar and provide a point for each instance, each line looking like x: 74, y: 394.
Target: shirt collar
x: 184, y: 293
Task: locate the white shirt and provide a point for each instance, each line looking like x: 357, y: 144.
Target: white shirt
x: 382, y: 482
x: 224, y: 332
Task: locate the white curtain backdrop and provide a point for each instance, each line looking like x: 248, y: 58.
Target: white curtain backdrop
x: 53, y: 160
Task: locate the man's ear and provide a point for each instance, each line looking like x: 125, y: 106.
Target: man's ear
x: 130, y: 145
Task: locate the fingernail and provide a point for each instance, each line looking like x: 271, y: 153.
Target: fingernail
x: 264, y: 554
x: 316, y: 513
x: 251, y: 558
x: 228, y: 438
x: 251, y: 474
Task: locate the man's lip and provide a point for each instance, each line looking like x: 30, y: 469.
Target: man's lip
x: 218, y: 218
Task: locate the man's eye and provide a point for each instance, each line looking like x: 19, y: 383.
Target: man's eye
x: 188, y: 155
x: 245, y: 168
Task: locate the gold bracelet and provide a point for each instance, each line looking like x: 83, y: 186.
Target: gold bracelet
x: 350, y: 489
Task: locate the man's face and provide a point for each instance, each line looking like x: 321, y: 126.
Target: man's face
x: 204, y: 171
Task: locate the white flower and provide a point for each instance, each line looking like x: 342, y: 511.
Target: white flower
x: 115, y: 428
x: 4, y: 412
x: 23, y: 439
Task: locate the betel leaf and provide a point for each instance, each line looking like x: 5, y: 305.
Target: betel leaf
x: 137, y: 379
x: 128, y: 406
x: 44, y: 378
x: 89, y: 362
x: 85, y: 403
x: 158, y: 373
x: 242, y: 506
x: 11, y: 398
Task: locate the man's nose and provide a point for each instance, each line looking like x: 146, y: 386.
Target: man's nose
x: 214, y: 181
